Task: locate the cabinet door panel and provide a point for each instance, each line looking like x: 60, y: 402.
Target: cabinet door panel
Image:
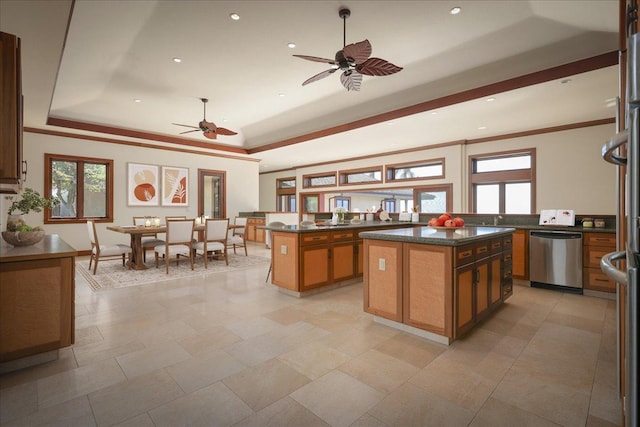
x: 496, y: 280
x: 315, y: 266
x: 383, y: 286
x: 520, y: 249
x: 482, y: 290
x: 464, y: 300
x: 342, y: 261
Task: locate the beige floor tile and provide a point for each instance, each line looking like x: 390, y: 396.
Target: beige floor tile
x: 266, y: 383
x: 416, y: 351
x: 168, y: 331
x: 149, y: 359
x: 379, y: 370
x: 250, y: 328
x: 605, y: 404
x: 142, y: 420
x: 590, y: 308
x: 209, y: 339
x: 357, y: 340
x: 65, y: 362
x: 215, y: 405
x: 564, y: 342
x: 344, y: 398
x: 287, y: 315
x: 88, y: 335
x: 133, y: 397
x: 332, y: 321
x: 495, y: 413
x: 576, y: 321
x: 285, y: 412
x: 204, y: 370
x: 594, y: 421
x: 410, y: 406
x: 314, y: 360
x: 78, y: 382
x: 103, y: 350
x: 368, y: 421
x: 75, y: 412
x: 18, y: 401
x: 553, y: 370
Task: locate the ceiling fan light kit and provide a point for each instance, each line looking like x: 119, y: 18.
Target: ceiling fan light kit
x: 208, y: 129
x: 354, y: 61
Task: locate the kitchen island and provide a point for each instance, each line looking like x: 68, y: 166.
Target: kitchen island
x: 37, y: 293
x: 436, y: 283
x: 310, y: 260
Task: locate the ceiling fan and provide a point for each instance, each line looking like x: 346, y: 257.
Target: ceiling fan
x: 209, y: 129
x: 353, y: 60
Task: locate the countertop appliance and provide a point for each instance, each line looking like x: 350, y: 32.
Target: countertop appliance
x: 628, y: 295
x: 555, y: 260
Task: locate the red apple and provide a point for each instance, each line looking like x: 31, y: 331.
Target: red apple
x: 445, y: 216
x: 449, y: 223
x: 433, y: 222
x: 440, y: 222
x: 458, y: 222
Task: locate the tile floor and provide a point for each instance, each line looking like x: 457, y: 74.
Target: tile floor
x: 232, y: 350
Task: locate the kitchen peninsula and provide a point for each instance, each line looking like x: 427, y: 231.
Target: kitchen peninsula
x: 309, y: 260
x: 436, y: 283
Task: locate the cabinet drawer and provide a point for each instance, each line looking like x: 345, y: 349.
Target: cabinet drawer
x: 593, y: 254
x: 342, y: 236
x: 496, y: 245
x: 600, y: 239
x: 596, y: 280
x: 483, y: 249
x: 507, y: 242
x: 464, y: 255
x: 313, y: 238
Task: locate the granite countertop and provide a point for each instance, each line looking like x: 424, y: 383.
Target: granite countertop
x: 51, y: 246
x: 360, y: 226
x: 432, y: 236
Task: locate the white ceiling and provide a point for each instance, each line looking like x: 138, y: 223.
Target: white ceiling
x: 116, y: 51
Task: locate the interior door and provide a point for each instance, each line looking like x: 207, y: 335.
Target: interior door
x: 212, y: 193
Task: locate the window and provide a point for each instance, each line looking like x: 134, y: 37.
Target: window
x: 361, y: 176
x: 340, y: 202
x: 319, y: 180
x: 434, y: 198
x: 427, y: 169
x: 503, y: 182
x: 286, y: 194
x: 84, y: 185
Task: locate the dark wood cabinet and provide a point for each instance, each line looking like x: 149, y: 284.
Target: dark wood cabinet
x: 10, y: 110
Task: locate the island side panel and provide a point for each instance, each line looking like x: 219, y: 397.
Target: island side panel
x: 383, y: 279
x: 428, y: 288
x: 284, y: 256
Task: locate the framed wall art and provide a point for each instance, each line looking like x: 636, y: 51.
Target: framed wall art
x: 142, y: 185
x: 175, y: 186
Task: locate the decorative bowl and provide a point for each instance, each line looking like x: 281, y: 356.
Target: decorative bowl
x: 23, y: 238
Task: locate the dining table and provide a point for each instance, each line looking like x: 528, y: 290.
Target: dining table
x: 136, y: 232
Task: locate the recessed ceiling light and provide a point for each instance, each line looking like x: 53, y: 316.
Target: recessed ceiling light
x: 565, y: 81
x: 178, y: 60
x: 490, y: 99
x: 482, y: 127
x: 291, y: 45
x: 137, y: 100
x: 234, y: 16
x: 390, y: 123
x: 434, y: 112
x: 281, y: 95
x: 455, y: 10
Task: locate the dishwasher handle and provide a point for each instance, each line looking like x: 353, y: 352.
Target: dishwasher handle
x: 607, y: 267
x: 556, y: 235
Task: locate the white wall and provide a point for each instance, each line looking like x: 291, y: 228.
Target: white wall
x: 241, y: 177
x: 570, y: 171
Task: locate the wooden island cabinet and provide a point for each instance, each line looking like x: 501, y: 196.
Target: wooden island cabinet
x: 438, y: 284
x: 37, y: 289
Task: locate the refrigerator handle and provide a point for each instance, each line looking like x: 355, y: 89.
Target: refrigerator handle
x: 609, y: 148
x: 607, y: 267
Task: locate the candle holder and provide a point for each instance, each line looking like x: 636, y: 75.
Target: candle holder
x: 156, y: 221
x: 147, y: 221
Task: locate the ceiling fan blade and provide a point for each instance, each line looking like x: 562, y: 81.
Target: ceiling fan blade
x: 225, y: 131
x: 210, y: 134
x: 316, y: 59
x: 187, y: 126
x: 358, y: 52
x: 319, y: 76
x: 189, y: 131
x: 377, y: 67
x: 351, y: 80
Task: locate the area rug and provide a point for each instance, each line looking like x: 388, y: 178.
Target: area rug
x: 112, y: 275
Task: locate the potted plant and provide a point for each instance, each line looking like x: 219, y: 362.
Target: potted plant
x: 19, y: 233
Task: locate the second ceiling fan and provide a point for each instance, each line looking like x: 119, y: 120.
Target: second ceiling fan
x: 209, y: 129
x: 353, y: 60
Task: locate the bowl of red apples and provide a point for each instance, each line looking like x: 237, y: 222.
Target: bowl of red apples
x: 446, y: 222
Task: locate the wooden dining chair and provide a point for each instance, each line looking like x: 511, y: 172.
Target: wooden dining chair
x: 104, y: 252
x: 238, y: 237
x: 179, y: 242
x: 215, y: 239
x: 149, y: 240
x: 273, y: 224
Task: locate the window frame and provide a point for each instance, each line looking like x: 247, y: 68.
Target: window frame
x: 79, y: 160
x: 445, y: 188
x: 502, y: 177
x: 288, y: 193
x: 306, y: 179
x: 343, y: 175
x: 391, y: 168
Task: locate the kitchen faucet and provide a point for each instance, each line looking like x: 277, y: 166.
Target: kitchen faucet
x: 496, y: 219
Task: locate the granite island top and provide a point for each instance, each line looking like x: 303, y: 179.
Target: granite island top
x: 432, y: 236
x: 51, y: 246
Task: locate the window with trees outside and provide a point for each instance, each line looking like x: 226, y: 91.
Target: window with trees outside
x: 425, y: 169
x: 84, y: 186
x: 286, y: 194
x: 503, y: 182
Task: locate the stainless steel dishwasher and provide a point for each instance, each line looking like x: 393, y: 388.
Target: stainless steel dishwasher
x: 555, y: 260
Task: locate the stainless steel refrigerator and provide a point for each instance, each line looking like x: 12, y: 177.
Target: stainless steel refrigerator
x: 624, y: 150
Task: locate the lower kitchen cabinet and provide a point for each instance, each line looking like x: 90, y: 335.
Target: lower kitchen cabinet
x: 594, y: 247
x: 520, y: 250
x: 255, y: 234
